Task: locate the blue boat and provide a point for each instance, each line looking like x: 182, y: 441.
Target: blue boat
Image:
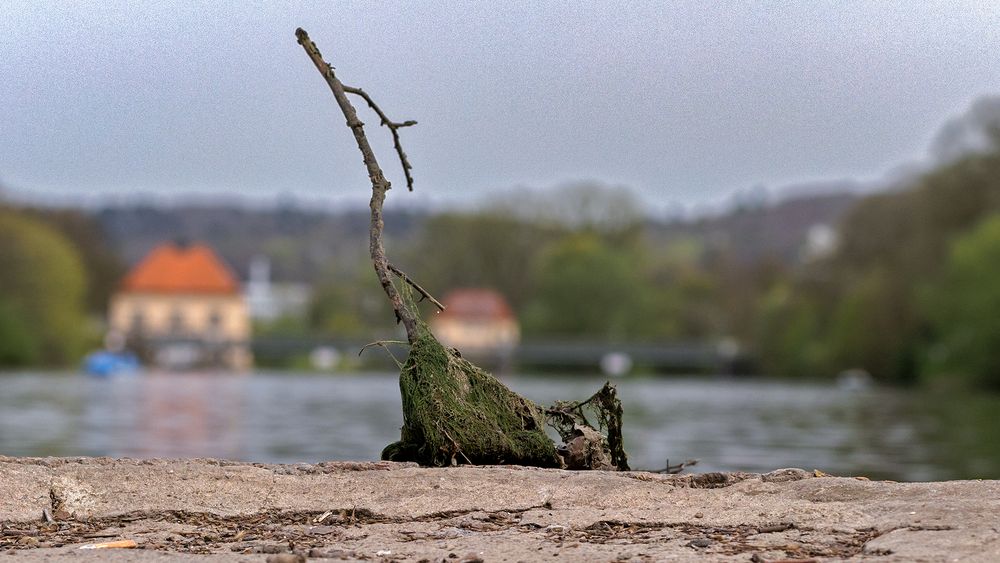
x: 106, y: 364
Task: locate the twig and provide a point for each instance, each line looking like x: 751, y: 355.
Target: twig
x: 423, y: 292
x: 458, y: 449
x: 675, y: 469
x: 393, y: 127
x: 383, y: 343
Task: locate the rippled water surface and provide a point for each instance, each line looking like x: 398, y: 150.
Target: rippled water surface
x: 728, y: 424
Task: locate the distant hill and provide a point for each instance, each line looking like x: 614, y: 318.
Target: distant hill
x: 302, y: 245
x: 765, y: 232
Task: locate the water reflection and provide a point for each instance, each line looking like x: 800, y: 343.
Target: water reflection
x: 728, y: 424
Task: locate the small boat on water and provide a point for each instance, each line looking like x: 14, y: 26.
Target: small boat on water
x: 105, y: 364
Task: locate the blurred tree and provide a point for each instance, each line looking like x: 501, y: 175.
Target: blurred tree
x: 872, y: 327
x: 682, y: 299
x: 586, y: 288
x: 17, y: 347
x: 962, y: 307
x: 484, y: 249
x: 863, y: 298
x: 788, y: 339
x: 104, y: 268
x: 43, y: 288
x: 348, y: 305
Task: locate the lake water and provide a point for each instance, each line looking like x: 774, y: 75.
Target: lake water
x: 728, y: 424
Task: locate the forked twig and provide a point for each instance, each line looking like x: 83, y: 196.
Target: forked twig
x: 393, y: 127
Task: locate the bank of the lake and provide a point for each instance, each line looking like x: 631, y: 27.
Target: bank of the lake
x: 229, y: 511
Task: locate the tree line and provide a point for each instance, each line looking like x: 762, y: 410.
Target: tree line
x: 909, y: 291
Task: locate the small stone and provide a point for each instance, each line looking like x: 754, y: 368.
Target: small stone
x: 787, y: 474
x: 286, y: 558
x: 699, y: 543
x: 699, y: 515
x: 61, y: 514
x: 317, y: 553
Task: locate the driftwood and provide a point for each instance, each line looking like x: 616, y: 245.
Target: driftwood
x: 453, y: 411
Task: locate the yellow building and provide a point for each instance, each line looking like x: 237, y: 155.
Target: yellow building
x: 478, y: 322
x: 181, y: 307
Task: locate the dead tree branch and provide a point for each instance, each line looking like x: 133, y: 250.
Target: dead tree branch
x: 393, y: 128
x: 423, y: 292
x: 380, y: 185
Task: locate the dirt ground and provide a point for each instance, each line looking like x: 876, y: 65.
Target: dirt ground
x: 208, y: 509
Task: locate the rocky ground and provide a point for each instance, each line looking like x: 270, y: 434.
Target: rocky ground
x: 228, y: 511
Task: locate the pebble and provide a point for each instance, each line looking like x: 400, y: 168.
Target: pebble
x: 331, y: 554
x: 787, y: 474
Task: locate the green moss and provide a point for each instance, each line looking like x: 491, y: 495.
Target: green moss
x: 455, y: 412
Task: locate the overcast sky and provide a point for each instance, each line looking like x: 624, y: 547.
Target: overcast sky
x: 682, y: 101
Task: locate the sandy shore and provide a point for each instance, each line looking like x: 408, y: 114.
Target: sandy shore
x: 232, y: 511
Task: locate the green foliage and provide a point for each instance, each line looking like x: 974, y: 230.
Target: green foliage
x: 350, y: 305
x: 17, y: 347
x: 861, y: 308
x: 679, y: 298
x: 789, y: 334
x: 485, y: 249
x: 872, y: 327
x: 963, y: 309
x: 103, y: 267
x: 43, y: 289
x: 586, y: 287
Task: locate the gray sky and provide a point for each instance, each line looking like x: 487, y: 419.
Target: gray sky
x: 683, y: 101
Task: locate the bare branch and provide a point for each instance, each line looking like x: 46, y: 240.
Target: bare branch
x: 423, y: 292
x: 393, y: 127
x: 380, y: 185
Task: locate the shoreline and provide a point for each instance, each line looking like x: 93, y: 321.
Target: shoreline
x: 207, y: 509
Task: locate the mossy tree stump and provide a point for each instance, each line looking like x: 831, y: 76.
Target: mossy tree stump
x: 453, y: 411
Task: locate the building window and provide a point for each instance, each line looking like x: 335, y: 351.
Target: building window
x: 215, y: 321
x: 137, y: 323
x: 176, y: 321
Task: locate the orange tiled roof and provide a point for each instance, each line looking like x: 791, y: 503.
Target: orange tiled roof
x: 173, y: 269
x: 475, y: 303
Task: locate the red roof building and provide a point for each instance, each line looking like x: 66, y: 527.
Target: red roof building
x: 170, y: 268
x: 184, y: 307
x: 476, y: 320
